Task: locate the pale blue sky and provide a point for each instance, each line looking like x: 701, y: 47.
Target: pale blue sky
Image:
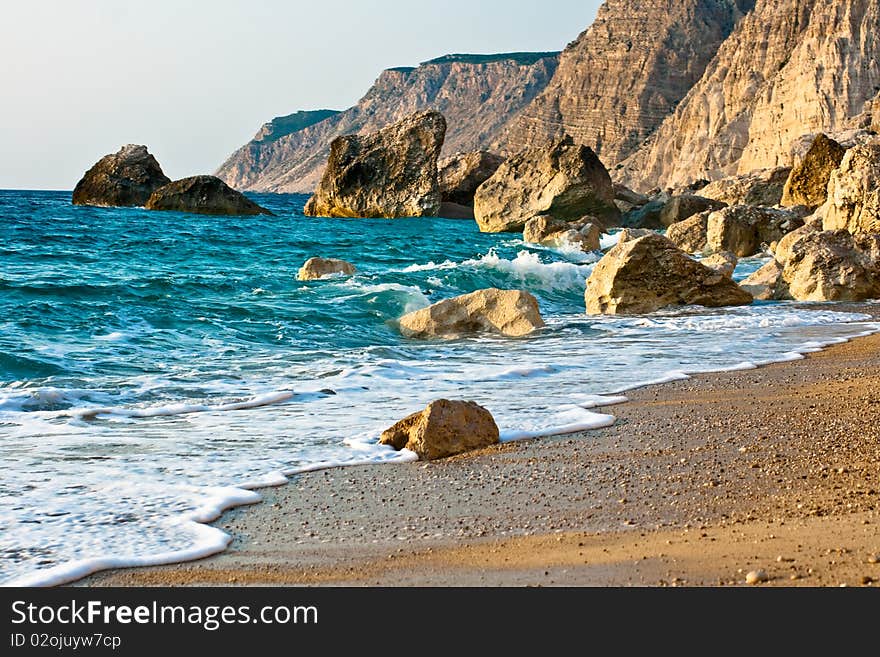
x: 194, y: 79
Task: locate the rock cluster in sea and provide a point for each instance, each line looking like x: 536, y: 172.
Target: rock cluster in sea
x: 133, y: 177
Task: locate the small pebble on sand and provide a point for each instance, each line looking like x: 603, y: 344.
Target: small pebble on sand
x: 756, y: 577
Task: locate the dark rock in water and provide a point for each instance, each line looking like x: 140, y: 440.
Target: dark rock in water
x: 203, y: 195
x: 461, y: 174
x: 391, y: 173
x: 808, y: 181
x: 679, y: 208
x: 566, y: 181
x: 125, y: 178
x: 456, y: 211
x: 646, y: 216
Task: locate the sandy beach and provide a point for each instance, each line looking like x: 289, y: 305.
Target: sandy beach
x: 698, y: 483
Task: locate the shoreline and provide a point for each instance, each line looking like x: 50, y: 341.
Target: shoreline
x: 335, y: 527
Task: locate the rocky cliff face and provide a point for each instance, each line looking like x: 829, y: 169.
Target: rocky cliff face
x: 623, y: 76
x: 479, y: 95
x: 790, y: 68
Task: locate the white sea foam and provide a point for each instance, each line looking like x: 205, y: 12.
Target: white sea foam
x: 528, y: 268
x: 184, y: 409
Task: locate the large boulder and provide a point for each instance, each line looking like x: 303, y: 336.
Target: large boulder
x: 125, y: 178
x: 318, y: 268
x: 690, y: 235
x: 815, y: 265
x: 807, y: 183
x: 745, y: 230
x: 548, y: 231
x: 646, y: 216
x: 510, y: 313
x: 390, y: 173
x: 763, y: 187
x: 679, y: 208
x: 626, y: 199
x: 854, y: 193
x: 460, y: 175
x: 567, y: 181
x: 829, y: 266
x: 650, y: 273
x: 203, y: 195
x: 445, y: 428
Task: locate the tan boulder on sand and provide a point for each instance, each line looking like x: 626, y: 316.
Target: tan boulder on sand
x: 566, y: 181
x: 511, y: 313
x: 445, y: 428
x: 854, y: 193
x: 650, y: 273
x: 316, y: 268
x: 390, y: 173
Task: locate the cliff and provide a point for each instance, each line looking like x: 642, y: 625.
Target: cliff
x: 478, y: 94
x: 625, y: 74
x: 790, y: 68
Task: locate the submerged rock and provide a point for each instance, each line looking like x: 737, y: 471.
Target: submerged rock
x: 566, y: 181
x: 649, y: 273
x: 808, y: 182
x: 460, y: 175
x: 854, y: 193
x: 125, y: 178
x: 510, y: 313
x: 203, y: 195
x: 763, y: 187
x: 317, y: 268
x: 445, y: 428
x: 390, y: 173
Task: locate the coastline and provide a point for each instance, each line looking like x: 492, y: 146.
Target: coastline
x: 698, y: 482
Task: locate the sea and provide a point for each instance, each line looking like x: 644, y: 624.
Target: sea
x: 157, y: 368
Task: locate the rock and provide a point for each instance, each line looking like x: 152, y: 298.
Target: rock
x: 724, y: 262
x: 690, y: 235
x: 548, y: 231
x: 455, y: 211
x: 445, y: 428
x: 203, y: 195
x: 461, y: 174
x: 125, y: 178
x: 782, y: 252
x: 746, y: 231
x: 807, y: 183
x: 317, y: 268
x: 507, y: 312
x: 854, y: 193
x: 630, y: 234
x: 646, y: 216
x: 756, y: 577
x: 829, y: 266
x: 650, y: 273
x: 763, y: 187
x: 767, y: 283
x: 679, y: 208
x: 626, y: 199
x: 390, y: 173
x: 567, y: 181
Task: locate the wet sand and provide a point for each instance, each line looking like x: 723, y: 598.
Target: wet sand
x: 698, y: 483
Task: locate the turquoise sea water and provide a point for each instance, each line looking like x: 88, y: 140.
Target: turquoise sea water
x: 153, y: 366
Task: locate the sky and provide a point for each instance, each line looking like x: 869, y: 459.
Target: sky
x: 195, y: 79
